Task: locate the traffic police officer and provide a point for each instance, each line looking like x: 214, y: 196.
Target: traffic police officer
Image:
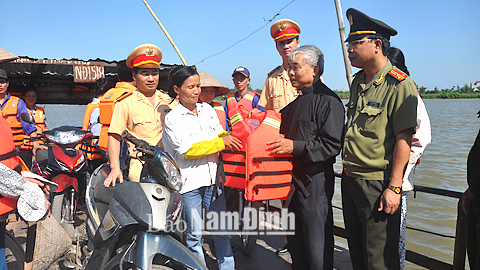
x: 141, y: 112
x: 278, y: 90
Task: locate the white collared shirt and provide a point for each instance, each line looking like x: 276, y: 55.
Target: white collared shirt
x: 182, y: 129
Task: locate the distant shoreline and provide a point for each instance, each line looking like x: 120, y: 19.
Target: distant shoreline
x: 450, y: 95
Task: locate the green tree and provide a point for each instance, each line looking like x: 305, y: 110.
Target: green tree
x: 422, y: 90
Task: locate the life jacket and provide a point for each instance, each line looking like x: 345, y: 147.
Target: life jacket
x: 39, y: 124
x: 90, y: 148
x: 8, y: 157
x: 107, y: 104
x: 88, y: 114
x: 245, y: 101
x: 9, y: 112
x: 220, y: 113
x: 263, y: 176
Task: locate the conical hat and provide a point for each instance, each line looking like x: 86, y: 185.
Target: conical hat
x: 6, y: 56
x: 207, y: 80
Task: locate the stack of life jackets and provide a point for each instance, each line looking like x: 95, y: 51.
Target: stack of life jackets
x: 39, y: 124
x: 8, y: 157
x: 263, y: 176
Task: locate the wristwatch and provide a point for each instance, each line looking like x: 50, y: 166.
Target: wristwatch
x: 395, y: 189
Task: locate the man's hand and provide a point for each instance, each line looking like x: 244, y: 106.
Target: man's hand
x: 36, y: 146
x: 45, y: 187
x: 47, y: 202
x: 389, y: 201
x: 112, y: 178
x: 254, y: 110
x: 280, y: 146
x: 232, y: 142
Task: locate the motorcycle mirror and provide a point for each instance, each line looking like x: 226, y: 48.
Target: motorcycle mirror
x: 27, y: 118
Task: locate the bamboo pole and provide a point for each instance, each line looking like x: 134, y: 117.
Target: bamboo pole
x: 341, y: 28
x: 166, y: 33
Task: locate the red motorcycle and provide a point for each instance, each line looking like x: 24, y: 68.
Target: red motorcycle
x: 67, y: 166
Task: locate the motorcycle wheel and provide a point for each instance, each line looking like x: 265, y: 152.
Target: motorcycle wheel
x: 249, y: 241
x: 14, y: 253
x: 61, y: 212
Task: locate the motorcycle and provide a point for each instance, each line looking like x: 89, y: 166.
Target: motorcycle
x: 137, y: 225
x: 64, y: 165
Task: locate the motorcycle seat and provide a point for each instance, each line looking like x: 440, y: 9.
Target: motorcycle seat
x: 101, y: 194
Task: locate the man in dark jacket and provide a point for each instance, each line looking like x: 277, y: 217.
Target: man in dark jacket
x: 473, y: 223
x: 312, y: 131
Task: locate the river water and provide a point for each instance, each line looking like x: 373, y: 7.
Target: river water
x: 454, y: 128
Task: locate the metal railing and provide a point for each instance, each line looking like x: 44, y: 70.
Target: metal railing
x: 460, y: 233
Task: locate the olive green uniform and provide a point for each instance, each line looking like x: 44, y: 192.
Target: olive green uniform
x: 376, y: 113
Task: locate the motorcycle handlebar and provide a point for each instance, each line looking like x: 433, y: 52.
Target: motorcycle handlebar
x: 140, y: 145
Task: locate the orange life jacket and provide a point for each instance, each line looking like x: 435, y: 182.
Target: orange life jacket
x: 220, y: 113
x: 263, y: 176
x: 245, y: 101
x: 90, y: 148
x: 9, y: 112
x: 39, y: 124
x: 107, y: 104
x: 88, y: 114
x: 8, y: 157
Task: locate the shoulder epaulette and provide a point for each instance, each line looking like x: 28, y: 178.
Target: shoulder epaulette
x: 271, y: 72
x: 123, y: 96
x: 397, y: 74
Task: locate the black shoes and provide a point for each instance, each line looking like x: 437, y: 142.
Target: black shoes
x: 282, y: 250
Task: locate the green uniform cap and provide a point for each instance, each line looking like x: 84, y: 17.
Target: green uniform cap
x: 361, y: 25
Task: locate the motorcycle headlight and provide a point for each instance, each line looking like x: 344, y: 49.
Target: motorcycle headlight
x: 174, y: 178
x: 65, y: 137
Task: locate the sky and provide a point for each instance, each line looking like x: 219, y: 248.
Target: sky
x: 440, y: 39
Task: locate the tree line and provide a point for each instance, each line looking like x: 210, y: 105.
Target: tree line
x: 456, y: 92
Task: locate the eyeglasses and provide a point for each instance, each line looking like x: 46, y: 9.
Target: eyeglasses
x: 355, y: 43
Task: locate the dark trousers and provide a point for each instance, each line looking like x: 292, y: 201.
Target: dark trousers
x: 312, y: 245
x: 372, y: 236
x: 473, y: 234
x: 26, y: 155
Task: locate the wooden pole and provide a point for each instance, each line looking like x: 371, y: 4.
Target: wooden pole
x: 341, y: 28
x: 166, y: 33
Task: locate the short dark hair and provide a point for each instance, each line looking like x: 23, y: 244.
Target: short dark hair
x: 102, y: 85
x: 177, y: 76
x: 385, y: 43
x: 124, y: 73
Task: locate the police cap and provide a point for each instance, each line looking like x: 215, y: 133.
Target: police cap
x: 284, y: 29
x: 145, y: 56
x: 361, y: 25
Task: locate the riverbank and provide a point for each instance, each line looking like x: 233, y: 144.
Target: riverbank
x: 441, y: 95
